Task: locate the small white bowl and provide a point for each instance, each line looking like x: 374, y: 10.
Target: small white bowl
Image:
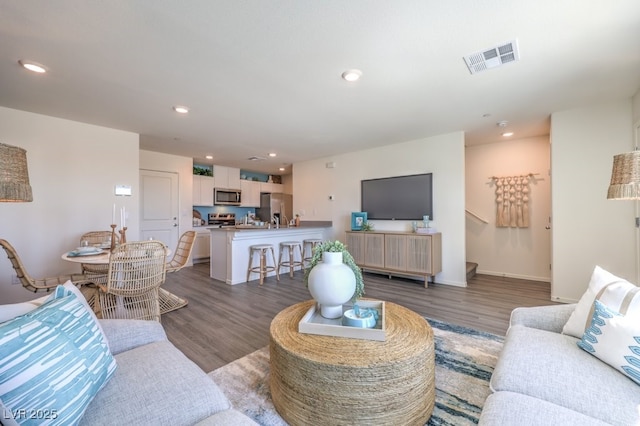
x: 350, y: 319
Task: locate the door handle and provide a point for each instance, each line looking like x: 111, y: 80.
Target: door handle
x: 547, y: 227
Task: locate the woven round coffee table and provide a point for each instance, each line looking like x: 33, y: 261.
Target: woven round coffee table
x: 342, y: 381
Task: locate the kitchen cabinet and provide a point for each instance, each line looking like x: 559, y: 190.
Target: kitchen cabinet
x: 203, y: 190
x: 401, y: 253
x: 250, y: 193
x: 270, y: 187
x: 230, y: 248
x: 226, y: 177
x: 201, y: 246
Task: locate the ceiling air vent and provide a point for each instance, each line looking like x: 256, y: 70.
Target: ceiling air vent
x: 256, y: 158
x: 493, y: 58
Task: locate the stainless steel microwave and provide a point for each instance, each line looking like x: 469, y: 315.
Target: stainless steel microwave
x: 227, y: 197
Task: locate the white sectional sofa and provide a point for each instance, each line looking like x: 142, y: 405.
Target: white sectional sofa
x: 59, y: 364
x: 543, y: 377
x: 156, y: 384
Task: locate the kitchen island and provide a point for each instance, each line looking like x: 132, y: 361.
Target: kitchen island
x: 230, y: 248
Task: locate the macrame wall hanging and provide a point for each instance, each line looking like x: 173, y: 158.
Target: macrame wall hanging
x: 512, y: 201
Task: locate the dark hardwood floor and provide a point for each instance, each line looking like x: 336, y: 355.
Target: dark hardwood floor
x: 222, y: 322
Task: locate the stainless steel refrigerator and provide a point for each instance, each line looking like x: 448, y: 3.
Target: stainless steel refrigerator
x: 275, y: 205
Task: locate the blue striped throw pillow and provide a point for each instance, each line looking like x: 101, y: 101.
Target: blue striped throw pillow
x: 55, y: 359
x: 614, y: 339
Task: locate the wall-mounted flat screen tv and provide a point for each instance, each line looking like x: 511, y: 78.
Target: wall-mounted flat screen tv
x: 398, y: 198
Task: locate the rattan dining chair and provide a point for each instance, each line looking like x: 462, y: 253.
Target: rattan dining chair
x: 169, y: 301
x: 182, y: 253
x: 97, y: 273
x: 136, y: 271
x: 43, y: 284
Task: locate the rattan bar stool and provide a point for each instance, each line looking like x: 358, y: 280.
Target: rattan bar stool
x: 309, y: 243
x: 290, y: 263
x: 263, y: 268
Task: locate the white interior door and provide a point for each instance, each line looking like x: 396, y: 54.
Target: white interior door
x: 159, y: 207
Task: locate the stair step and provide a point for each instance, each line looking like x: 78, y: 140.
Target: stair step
x: 471, y: 270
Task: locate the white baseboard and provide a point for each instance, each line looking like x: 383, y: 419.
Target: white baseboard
x: 562, y: 299
x: 518, y: 276
x: 452, y: 283
x: 415, y: 277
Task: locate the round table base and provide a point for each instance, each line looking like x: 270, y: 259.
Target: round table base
x: 333, y: 380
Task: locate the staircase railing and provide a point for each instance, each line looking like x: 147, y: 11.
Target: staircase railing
x: 470, y: 213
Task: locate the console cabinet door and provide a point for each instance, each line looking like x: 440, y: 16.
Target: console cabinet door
x: 395, y: 252
x: 355, y: 245
x: 418, y: 254
x: 408, y: 253
x: 374, y: 250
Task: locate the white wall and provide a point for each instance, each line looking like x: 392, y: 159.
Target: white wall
x: 73, y: 169
x: 513, y: 252
x: 636, y: 107
x: 183, y: 166
x: 588, y: 229
x: 443, y: 155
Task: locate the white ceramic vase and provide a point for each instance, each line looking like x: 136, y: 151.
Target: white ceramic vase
x: 331, y: 284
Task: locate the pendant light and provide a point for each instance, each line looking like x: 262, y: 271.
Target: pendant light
x: 625, y: 177
x: 14, y: 175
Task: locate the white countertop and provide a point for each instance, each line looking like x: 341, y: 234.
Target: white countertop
x: 245, y: 228
x: 231, y: 246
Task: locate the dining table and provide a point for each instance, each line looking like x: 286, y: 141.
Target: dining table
x: 100, y: 256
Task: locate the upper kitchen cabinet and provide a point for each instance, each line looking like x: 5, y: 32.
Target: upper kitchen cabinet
x: 226, y: 177
x: 270, y: 187
x: 203, y: 190
x: 250, y: 193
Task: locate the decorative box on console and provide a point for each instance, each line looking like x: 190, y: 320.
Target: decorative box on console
x: 314, y: 323
x: 426, y: 230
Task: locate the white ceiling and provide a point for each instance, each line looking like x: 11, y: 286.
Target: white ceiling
x: 264, y: 76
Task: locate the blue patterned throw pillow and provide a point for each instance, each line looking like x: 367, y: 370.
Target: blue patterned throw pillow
x: 54, y: 361
x: 614, y: 339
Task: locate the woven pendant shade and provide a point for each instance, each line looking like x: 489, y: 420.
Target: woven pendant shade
x: 625, y: 177
x: 14, y: 175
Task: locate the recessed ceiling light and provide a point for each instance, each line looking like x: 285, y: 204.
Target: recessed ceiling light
x: 281, y: 169
x: 181, y: 109
x: 352, y: 75
x: 33, y: 66
x: 272, y: 154
x: 209, y: 157
x: 507, y: 134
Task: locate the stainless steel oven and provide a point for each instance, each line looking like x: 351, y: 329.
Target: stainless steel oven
x: 227, y: 197
x: 223, y: 220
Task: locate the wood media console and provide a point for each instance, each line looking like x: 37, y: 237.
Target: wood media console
x: 397, y: 253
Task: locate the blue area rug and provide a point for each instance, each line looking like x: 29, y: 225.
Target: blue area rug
x: 465, y: 359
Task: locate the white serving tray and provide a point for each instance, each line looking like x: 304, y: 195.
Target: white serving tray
x: 314, y: 323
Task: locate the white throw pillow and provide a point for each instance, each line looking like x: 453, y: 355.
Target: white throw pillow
x: 614, y: 339
x: 614, y: 292
x: 12, y: 310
